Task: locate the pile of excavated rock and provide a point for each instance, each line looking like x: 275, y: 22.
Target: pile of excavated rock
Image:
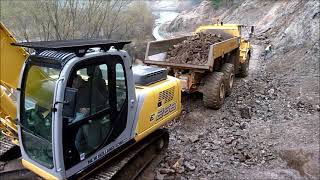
x: 193, y: 50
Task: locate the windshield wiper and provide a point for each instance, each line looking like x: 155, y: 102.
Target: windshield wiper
x: 31, y: 132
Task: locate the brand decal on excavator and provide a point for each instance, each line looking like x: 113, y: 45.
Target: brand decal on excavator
x: 166, y: 110
x: 103, y: 153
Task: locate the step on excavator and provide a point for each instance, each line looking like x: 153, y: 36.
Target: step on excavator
x: 79, y: 108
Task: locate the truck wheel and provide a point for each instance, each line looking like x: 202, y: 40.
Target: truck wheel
x: 214, y: 90
x: 228, y: 71
x: 244, y: 68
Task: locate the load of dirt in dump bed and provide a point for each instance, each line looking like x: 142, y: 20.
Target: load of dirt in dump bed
x: 193, y: 50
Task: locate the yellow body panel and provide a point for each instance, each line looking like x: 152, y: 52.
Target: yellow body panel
x: 152, y: 116
x: 11, y: 62
x: 37, y: 170
x: 12, y: 58
x: 8, y: 107
x: 244, y: 49
x: 233, y: 29
x: 222, y: 48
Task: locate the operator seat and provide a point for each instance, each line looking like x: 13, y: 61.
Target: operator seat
x: 98, y: 86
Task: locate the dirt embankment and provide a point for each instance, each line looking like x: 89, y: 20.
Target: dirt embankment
x: 193, y: 50
x: 269, y: 126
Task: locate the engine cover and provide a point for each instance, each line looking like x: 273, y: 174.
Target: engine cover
x: 145, y: 75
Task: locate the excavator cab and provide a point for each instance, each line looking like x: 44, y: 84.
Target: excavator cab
x: 74, y: 106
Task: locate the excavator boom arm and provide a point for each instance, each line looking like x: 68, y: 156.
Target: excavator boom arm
x: 11, y: 62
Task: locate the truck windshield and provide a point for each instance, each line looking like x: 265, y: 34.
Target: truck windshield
x: 36, y: 116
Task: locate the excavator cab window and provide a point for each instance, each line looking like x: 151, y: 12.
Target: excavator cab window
x: 121, y: 86
x: 101, y: 97
x: 92, y: 98
x: 36, y: 119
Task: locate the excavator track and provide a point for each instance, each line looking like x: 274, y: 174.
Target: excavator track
x: 5, y: 145
x: 8, y: 149
x: 13, y: 170
x: 10, y: 166
x: 127, y: 165
x: 135, y: 160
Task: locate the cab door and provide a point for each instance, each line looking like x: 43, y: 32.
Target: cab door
x: 101, y: 108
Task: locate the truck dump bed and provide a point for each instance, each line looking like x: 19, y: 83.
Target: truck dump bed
x: 156, y: 53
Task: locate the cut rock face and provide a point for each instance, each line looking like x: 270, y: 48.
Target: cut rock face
x: 193, y: 50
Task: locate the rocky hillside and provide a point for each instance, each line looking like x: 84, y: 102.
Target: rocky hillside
x: 290, y: 27
x: 269, y: 126
x: 284, y: 21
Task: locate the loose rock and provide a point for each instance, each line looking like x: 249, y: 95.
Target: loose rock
x: 193, y: 50
x: 189, y: 166
x: 245, y: 113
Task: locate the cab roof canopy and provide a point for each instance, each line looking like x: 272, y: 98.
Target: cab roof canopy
x: 79, y: 46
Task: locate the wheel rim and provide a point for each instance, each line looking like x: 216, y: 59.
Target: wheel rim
x: 221, y: 91
x: 231, y: 79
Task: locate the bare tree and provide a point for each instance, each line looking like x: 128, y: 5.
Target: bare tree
x: 68, y: 19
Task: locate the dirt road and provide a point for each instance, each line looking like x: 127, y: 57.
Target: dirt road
x: 261, y: 132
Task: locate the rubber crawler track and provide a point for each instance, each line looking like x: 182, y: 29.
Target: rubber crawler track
x: 5, y: 146
x: 127, y: 165
x: 136, y: 159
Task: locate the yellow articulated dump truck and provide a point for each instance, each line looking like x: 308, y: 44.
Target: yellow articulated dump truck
x: 79, y: 108
x: 214, y: 75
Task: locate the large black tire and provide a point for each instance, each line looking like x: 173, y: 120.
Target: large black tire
x: 214, y: 90
x: 244, y: 68
x: 228, y: 71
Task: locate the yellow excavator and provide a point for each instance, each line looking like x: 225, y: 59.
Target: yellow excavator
x: 75, y: 107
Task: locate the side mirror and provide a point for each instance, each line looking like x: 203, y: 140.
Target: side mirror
x: 69, y: 107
